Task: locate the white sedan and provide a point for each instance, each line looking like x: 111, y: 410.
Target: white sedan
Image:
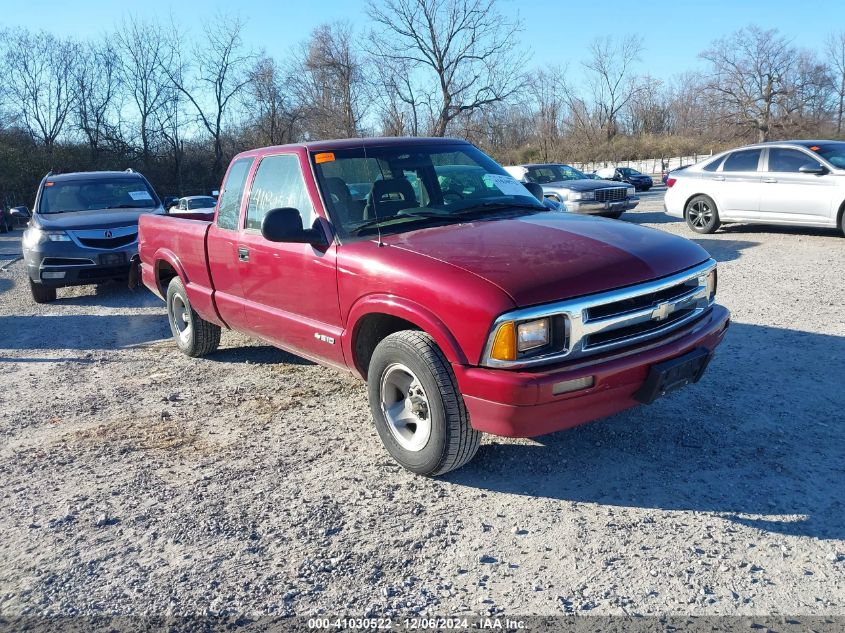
x: 798, y: 183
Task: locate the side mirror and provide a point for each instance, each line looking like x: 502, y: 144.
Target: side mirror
x: 535, y: 189
x: 811, y: 168
x: 285, y: 225
x: 20, y: 212
x: 169, y: 201
x: 617, y: 176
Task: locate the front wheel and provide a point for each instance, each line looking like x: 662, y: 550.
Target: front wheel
x: 701, y: 215
x: 194, y: 335
x: 419, y: 414
x: 42, y: 293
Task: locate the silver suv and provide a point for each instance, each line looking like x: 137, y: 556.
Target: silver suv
x: 84, y: 229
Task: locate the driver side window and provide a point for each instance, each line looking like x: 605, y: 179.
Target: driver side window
x: 278, y: 183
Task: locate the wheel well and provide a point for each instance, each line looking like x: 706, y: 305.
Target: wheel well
x: 841, y: 212
x: 695, y: 195
x: 164, y: 274
x: 370, y: 331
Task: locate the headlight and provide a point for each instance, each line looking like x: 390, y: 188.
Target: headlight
x: 532, y: 334
x: 712, y: 282
x: 582, y: 195
x: 33, y: 236
x: 512, y: 339
x: 630, y: 191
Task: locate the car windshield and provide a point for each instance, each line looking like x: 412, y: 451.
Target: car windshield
x: 834, y: 153
x: 65, y: 196
x: 203, y: 202
x: 627, y: 171
x: 395, y: 188
x: 542, y: 174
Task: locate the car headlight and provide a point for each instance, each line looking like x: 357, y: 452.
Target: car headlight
x: 630, y: 191
x: 33, y: 236
x: 582, y: 195
x: 712, y: 282
x: 513, y: 339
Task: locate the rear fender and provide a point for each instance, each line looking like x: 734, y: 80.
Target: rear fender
x: 201, y: 297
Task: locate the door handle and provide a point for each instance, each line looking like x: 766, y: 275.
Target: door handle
x: 770, y: 179
x: 718, y: 177
x: 243, y: 254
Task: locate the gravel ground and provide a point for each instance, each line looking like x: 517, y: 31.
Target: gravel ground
x: 138, y: 481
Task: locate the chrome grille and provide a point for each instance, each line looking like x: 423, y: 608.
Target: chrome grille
x: 619, y: 318
x: 611, y: 194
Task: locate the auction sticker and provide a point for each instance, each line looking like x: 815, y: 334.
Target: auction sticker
x: 507, y: 185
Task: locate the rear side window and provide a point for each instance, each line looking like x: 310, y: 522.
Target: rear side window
x: 278, y: 183
x: 230, y: 197
x: 713, y: 165
x: 788, y: 160
x: 746, y: 160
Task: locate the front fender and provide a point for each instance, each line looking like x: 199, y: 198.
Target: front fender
x: 405, y: 309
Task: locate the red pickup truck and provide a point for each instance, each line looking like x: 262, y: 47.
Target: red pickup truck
x: 421, y: 266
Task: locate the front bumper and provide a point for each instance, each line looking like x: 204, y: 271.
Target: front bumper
x: 60, y: 264
x: 590, y: 207
x: 522, y: 403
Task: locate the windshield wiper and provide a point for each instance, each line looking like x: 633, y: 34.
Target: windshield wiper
x: 497, y: 206
x: 417, y: 215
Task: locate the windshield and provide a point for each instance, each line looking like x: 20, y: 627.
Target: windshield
x: 627, y: 171
x: 543, y: 174
x: 204, y: 202
x: 834, y: 153
x: 65, y: 196
x: 396, y: 188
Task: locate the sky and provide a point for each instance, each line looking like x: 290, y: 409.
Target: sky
x: 557, y: 32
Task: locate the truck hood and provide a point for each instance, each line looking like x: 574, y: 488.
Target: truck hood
x: 548, y: 257
x: 583, y: 185
x: 92, y: 219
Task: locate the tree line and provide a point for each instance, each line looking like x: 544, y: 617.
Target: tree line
x: 177, y: 107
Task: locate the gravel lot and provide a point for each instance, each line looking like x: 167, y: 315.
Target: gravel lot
x: 138, y: 481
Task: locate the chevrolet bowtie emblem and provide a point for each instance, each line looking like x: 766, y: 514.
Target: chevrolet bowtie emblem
x: 662, y: 311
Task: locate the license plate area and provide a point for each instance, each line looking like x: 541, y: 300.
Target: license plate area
x: 673, y: 374
x: 112, y: 259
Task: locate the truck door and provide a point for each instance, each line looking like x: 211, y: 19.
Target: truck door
x: 290, y: 290
x: 222, y: 246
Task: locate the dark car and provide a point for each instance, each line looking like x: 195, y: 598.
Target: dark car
x: 7, y: 221
x: 640, y: 181
x: 84, y: 229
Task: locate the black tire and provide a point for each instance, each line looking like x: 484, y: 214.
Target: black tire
x: 452, y: 442
x: 701, y: 214
x: 42, y: 293
x: 194, y: 335
x: 614, y: 215
x: 842, y: 221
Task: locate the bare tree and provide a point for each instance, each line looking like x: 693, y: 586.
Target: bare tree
x: 328, y: 81
x: 461, y: 53
x: 548, y: 91
x: 750, y: 72
x: 274, y: 118
x: 145, y: 52
x: 97, y: 84
x: 214, y: 78
x: 835, y: 50
x: 611, y: 80
x: 39, y: 70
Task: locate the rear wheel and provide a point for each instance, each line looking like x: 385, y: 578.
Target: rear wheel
x: 42, y: 293
x: 419, y: 413
x: 701, y: 215
x: 842, y: 220
x: 194, y: 335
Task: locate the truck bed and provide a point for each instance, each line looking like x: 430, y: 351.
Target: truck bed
x: 181, y: 242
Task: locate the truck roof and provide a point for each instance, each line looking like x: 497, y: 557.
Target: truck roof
x: 353, y: 143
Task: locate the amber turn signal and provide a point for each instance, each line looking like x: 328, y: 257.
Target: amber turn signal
x: 504, y: 345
